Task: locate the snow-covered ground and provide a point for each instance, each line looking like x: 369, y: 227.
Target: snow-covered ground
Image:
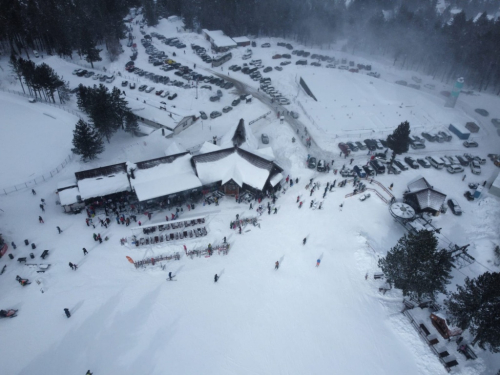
x: 300, y: 319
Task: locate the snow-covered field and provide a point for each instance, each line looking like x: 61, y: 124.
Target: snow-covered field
x: 300, y: 319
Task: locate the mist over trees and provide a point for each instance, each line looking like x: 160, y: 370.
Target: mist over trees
x: 412, y: 34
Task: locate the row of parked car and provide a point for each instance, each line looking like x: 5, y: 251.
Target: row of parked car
x: 202, y: 53
x: 93, y: 75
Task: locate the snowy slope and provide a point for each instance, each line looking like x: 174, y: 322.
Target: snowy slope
x: 300, y: 319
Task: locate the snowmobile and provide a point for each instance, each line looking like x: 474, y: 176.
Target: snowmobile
x: 11, y: 313
x: 364, y: 197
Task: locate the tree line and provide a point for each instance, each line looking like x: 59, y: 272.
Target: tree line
x: 108, y: 112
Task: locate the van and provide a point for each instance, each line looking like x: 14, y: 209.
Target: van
x: 436, y: 163
x: 359, y: 171
x: 377, y: 166
x: 246, y: 56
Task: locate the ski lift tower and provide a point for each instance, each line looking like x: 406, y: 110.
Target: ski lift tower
x: 452, y: 99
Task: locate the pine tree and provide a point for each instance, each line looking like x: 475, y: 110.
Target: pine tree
x: 16, y: 69
x: 476, y: 306
x: 86, y: 141
x: 399, y: 140
x: 416, y: 266
x: 131, y: 124
x: 496, y: 252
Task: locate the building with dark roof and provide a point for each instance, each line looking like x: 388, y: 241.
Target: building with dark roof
x: 422, y: 197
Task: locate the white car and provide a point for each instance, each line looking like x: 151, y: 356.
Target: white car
x: 455, y: 168
x: 149, y: 89
x: 164, y: 94
x: 475, y: 168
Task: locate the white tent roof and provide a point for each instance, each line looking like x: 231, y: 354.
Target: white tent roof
x: 66, y: 183
x: 241, y: 39
x: 165, y: 179
x: 68, y: 196
x: 233, y: 166
x: 103, y: 185
x: 276, y: 179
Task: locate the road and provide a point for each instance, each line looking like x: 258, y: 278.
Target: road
x: 298, y: 127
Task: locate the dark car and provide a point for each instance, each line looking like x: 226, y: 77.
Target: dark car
x: 377, y: 166
x: 321, y: 166
x: 228, y: 85
x: 172, y: 97
x: 369, y: 170
x: 208, y: 87
x: 268, y: 69
x: 289, y: 46
x: 429, y: 137
x: 411, y: 162
x: 284, y: 63
x: 286, y: 56
x: 227, y: 109
x: 203, y: 115
x: 301, y: 62
x: 463, y: 160
x: 371, y: 144
x: 311, y: 164
x: 235, y: 102
x: 215, y: 114
x: 124, y: 83
x: 400, y: 165
x: 470, y: 144
x: 455, y: 207
x: 215, y: 98
x: 360, y: 145
x: 359, y: 171
x: 352, y: 146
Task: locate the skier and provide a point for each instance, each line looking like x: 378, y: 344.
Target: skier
x: 276, y: 265
x: 275, y: 210
x: 237, y: 217
x: 59, y: 230
x: 304, y: 241
x: 297, y: 180
x: 88, y: 373
x: 300, y: 205
x: 95, y: 237
x: 251, y: 207
x: 71, y: 265
x: 320, y: 204
x: 68, y: 314
x: 312, y: 202
x: 224, y: 239
x: 352, y: 159
x: 390, y: 187
x: 463, y: 178
x: 13, y: 245
x: 33, y: 191
x: 298, y: 198
x: 269, y: 211
x: 318, y: 262
x: 240, y: 230
x: 170, y: 275
x: 216, y: 278
x: 85, y: 252
x: 43, y: 209
x: 40, y: 220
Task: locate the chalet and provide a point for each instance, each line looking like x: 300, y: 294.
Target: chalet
x: 422, y: 197
x: 219, y: 41
x: 241, y: 41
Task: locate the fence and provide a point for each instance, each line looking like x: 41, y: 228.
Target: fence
x: 38, y: 180
x: 259, y: 118
x: 305, y: 112
x: 70, y: 111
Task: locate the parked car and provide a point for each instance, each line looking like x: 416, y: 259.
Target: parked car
x: 159, y: 92
x: 463, y: 160
x: 470, y: 144
x: 360, y: 145
x: 352, y: 146
x: 411, y: 162
x: 208, y: 87
x: 295, y: 115
x: 344, y: 148
x: 378, y: 166
x: 393, y: 169
x: 455, y: 168
x: 268, y: 69
x: 321, y: 166
x: 266, y: 45
x: 417, y: 145
x: 203, y: 115
x: 283, y: 63
x: 164, y: 94
x: 368, y: 170
x: 215, y: 98
x: 430, y: 137
x: 172, y: 97
x: 132, y: 85
x: 149, y: 89
x: 424, y: 163
x: 475, y: 168
x: 124, y: 83
x: 264, y: 138
x: 370, y: 144
x: 143, y: 87
x: 454, y: 207
x: 400, y: 165
x: 359, y: 171
x: 215, y: 114
x: 227, y: 109
x: 301, y: 62
x: 311, y: 164
x: 235, y: 102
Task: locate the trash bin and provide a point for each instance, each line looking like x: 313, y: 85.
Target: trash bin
x: 32, y: 256
x: 26, y: 242
x: 33, y: 246
x: 11, y: 256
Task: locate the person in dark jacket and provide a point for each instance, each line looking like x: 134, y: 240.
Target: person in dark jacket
x: 40, y: 220
x: 304, y: 240
x: 216, y: 278
x: 276, y: 265
x: 71, y: 265
x: 85, y: 252
x: 68, y: 314
x: 59, y: 230
x: 33, y: 191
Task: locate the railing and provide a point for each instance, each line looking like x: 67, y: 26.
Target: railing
x: 259, y: 118
x: 38, y: 180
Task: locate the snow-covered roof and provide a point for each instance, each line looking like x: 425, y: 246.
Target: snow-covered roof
x: 68, y: 196
x: 150, y: 112
x: 430, y: 198
x: 208, y: 147
x: 239, y: 165
x: 66, y: 183
x: 242, y: 134
x: 103, y: 185
x: 266, y: 152
x: 496, y: 182
x: 417, y: 184
x: 219, y: 39
x: 241, y: 39
x: 165, y: 179
x: 174, y: 148
x: 276, y: 179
